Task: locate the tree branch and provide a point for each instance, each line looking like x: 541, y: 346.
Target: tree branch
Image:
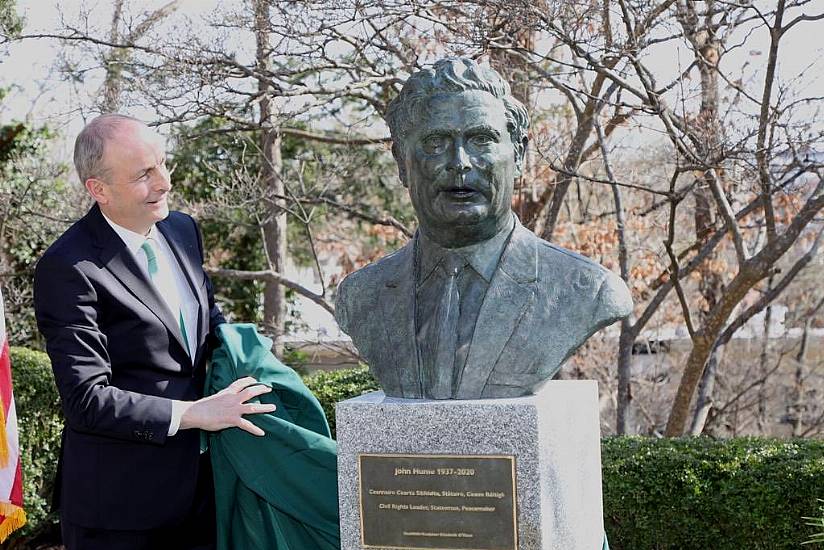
x: 674, y: 268
x: 329, y: 138
x: 768, y: 297
x: 727, y: 213
x: 270, y: 275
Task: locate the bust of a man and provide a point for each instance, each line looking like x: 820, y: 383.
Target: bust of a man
x: 475, y: 305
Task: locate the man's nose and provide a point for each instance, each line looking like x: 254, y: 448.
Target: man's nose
x: 459, y: 163
x: 163, y: 181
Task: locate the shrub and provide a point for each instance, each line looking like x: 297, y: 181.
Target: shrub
x: 696, y: 493
x: 333, y: 386
x: 40, y: 422
x: 818, y: 523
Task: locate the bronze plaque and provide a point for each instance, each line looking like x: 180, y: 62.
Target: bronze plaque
x: 438, y: 502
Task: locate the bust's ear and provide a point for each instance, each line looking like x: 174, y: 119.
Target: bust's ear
x: 520, y: 153
x: 396, y: 152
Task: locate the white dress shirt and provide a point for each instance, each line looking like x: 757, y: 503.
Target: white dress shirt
x: 184, y: 299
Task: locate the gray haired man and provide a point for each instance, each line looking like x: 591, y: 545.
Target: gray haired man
x: 128, y: 316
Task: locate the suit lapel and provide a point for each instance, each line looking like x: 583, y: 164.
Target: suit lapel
x: 398, y: 310
x: 511, y: 291
x: 120, y: 262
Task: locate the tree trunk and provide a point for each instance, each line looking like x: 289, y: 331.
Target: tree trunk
x: 703, y: 405
x: 515, y: 70
x: 798, y: 407
x: 274, y: 224
x: 112, y: 85
x: 710, y: 282
x: 625, y: 424
x: 763, y: 367
x: 550, y: 212
x: 702, y: 345
x: 111, y: 92
x: 750, y: 272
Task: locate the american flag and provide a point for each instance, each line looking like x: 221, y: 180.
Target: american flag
x: 12, y: 516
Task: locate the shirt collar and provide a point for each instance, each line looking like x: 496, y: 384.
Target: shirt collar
x: 132, y: 240
x: 483, y: 256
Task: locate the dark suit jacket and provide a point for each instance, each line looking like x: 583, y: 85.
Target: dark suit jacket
x: 118, y: 358
x: 542, y: 303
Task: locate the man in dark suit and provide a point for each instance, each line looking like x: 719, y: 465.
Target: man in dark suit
x: 475, y: 305
x: 127, y: 313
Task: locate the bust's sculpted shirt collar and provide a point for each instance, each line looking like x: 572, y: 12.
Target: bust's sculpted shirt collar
x: 483, y: 256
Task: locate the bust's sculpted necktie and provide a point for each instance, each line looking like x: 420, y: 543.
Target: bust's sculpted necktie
x: 439, y: 379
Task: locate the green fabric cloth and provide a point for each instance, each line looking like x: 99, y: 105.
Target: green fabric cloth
x: 277, y: 492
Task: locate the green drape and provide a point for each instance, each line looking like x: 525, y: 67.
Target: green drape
x: 277, y: 492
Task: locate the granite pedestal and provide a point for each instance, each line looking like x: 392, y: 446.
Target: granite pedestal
x: 552, y: 440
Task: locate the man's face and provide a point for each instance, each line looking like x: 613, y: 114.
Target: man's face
x: 460, y: 166
x: 134, y: 191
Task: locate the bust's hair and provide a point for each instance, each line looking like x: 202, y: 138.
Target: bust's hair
x: 91, y: 144
x: 453, y: 75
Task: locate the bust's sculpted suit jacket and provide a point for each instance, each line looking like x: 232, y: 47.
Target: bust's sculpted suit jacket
x: 543, y: 302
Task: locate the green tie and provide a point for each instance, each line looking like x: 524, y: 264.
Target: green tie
x: 151, y: 259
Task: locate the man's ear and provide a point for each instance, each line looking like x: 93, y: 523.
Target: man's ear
x: 519, y: 157
x: 396, y: 152
x: 97, y: 189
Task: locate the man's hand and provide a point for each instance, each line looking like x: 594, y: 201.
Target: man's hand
x: 226, y: 408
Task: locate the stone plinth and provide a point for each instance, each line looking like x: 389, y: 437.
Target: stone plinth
x: 554, y: 437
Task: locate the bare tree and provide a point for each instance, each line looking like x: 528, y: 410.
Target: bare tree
x: 723, y: 194
x: 114, y: 59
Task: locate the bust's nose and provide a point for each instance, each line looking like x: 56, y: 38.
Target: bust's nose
x: 459, y: 163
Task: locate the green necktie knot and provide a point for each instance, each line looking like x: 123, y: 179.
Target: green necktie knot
x: 151, y: 257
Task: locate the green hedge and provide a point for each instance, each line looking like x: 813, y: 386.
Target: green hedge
x: 40, y: 422
x: 817, y: 523
x: 658, y: 493
x: 333, y: 386
x: 697, y: 493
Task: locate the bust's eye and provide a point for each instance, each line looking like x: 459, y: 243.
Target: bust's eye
x: 434, y: 144
x: 481, y: 140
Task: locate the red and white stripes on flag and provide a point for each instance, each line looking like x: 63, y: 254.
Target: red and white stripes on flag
x: 12, y: 516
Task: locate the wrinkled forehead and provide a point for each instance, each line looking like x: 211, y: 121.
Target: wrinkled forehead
x: 461, y: 110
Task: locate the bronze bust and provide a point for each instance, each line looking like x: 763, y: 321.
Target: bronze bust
x: 475, y: 305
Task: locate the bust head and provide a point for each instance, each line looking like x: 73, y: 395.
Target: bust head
x: 459, y: 139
